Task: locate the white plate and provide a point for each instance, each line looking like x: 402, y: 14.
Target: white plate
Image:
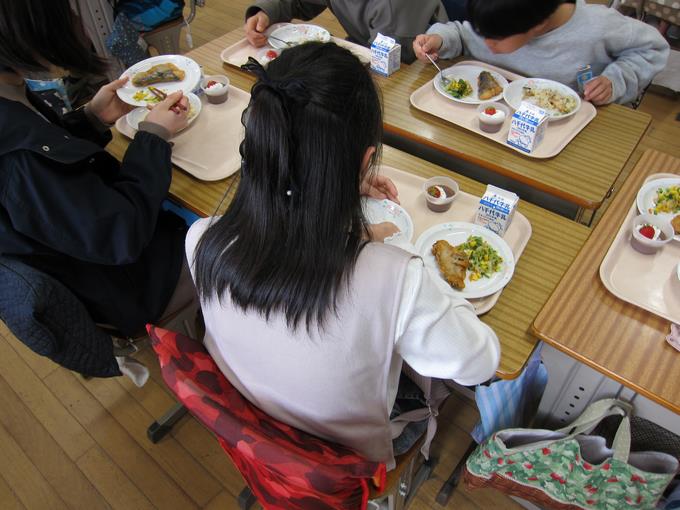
x: 470, y: 74
x: 378, y: 211
x: 192, y: 78
x: 139, y: 114
x: 456, y: 233
x: 513, y: 94
x: 647, y: 194
x: 298, y: 34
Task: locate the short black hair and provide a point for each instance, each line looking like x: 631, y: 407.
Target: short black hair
x: 497, y: 19
x: 34, y: 33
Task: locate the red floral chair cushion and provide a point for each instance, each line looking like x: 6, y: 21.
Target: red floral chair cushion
x: 286, y: 469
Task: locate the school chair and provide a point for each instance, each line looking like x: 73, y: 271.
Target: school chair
x: 49, y: 319
x: 284, y: 468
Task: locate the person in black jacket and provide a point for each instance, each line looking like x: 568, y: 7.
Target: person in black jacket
x: 69, y: 208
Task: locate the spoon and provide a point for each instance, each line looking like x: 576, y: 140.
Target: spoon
x: 443, y: 78
x: 289, y: 44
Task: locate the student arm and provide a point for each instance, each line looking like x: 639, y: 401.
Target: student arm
x: 105, y: 217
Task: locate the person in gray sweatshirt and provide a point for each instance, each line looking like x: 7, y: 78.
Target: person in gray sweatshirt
x: 553, y: 39
x: 361, y: 19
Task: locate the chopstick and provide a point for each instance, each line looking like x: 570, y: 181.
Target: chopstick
x: 177, y: 107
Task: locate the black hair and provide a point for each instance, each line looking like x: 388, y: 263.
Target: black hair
x: 291, y: 236
x: 497, y: 19
x: 36, y: 32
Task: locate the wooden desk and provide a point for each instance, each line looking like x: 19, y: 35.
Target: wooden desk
x: 581, y: 175
x: 585, y: 321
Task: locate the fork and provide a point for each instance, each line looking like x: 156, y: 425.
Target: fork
x: 443, y: 78
x: 287, y: 43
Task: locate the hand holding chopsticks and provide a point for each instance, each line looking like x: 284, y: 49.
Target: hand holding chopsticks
x: 172, y: 112
x: 162, y: 95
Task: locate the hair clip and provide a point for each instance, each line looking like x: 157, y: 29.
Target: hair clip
x: 289, y: 193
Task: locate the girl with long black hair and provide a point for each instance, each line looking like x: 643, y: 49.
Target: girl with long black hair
x: 308, y: 313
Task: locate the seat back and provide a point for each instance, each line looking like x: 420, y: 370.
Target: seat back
x: 48, y: 318
x: 284, y: 467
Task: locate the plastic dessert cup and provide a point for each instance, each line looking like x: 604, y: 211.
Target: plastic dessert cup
x: 440, y: 192
x: 216, y: 94
x: 492, y: 123
x: 663, y: 233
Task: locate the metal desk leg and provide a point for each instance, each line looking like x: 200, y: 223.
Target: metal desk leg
x: 450, y: 485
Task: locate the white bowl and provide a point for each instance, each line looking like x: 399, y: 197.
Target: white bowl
x: 440, y: 204
x: 492, y: 125
x: 139, y: 114
x: 644, y: 244
x: 217, y: 96
x: 513, y: 95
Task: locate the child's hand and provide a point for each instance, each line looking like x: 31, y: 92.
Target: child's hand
x: 106, y: 105
x: 255, y: 26
x: 427, y: 45
x: 172, y: 113
x: 379, y: 186
x: 381, y: 231
x: 598, y: 90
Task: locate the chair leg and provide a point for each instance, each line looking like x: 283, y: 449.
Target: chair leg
x: 246, y: 498
x: 409, y: 483
x: 450, y: 485
x: 158, y: 429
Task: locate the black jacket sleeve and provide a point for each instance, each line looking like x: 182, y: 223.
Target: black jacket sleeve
x: 94, y: 215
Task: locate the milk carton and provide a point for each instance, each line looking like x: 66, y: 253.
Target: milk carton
x: 527, y: 126
x: 385, y: 55
x: 496, y: 209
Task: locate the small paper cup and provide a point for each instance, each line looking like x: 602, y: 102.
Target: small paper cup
x: 440, y: 204
x: 219, y: 96
x: 644, y: 244
x: 492, y: 126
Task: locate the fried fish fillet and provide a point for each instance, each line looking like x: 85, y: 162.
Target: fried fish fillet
x: 487, y: 86
x: 158, y: 74
x: 675, y: 222
x: 452, y: 262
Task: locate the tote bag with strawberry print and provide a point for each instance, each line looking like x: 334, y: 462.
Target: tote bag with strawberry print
x: 567, y: 469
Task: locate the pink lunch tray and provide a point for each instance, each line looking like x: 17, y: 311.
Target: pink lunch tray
x: 209, y: 148
x: 237, y: 54
x: 463, y: 209
x: 557, y: 135
x: 647, y: 281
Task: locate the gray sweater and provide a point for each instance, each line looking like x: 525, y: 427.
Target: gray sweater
x: 363, y: 19
x: 628, y: 52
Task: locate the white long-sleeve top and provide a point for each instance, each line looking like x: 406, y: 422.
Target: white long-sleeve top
x: 437, y: 332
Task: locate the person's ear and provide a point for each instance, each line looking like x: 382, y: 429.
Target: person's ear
x: 366, y: 160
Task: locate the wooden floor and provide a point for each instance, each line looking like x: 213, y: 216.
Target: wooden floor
x: 67, y: 442
x: 71, y: 443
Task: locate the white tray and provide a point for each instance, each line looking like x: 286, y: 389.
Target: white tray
x: 647, y: 281
x: 209, y: 148
x: 463, y: 208
x: 557, y: 135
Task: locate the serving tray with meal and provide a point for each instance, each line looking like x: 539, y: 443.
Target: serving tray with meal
x: 285, y: 35
x: 642, y: 265
x: 474, y: 261
x: 481, y: 98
